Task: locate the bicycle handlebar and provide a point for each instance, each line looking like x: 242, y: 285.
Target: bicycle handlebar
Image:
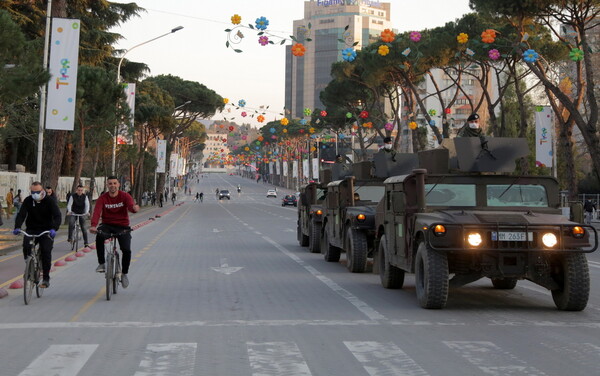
x: 35, y: 236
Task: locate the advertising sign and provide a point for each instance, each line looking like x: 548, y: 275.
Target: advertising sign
x: 161, y: 156
x: 544, y: 139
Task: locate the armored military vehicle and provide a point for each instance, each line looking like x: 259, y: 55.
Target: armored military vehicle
x: 349, y: 211
x: 310, y: 211
x: 463, y: 222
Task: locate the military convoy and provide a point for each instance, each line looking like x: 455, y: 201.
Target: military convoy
x: 456, y: 217
x: 310, y: 216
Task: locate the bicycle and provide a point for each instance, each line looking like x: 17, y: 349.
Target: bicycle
x: 33, y: 269
x: 112, y: 263
x: 77, y: 230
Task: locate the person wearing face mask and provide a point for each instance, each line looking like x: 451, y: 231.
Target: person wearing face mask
x: 472, y: 128
x: 40, y: 213
x: 388, y: 147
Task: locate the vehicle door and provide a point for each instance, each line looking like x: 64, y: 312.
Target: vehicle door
x: 395, y: 219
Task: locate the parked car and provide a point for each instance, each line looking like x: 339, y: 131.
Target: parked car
x: 271, y: 193
x: 224, y: 193
x: 289, y: 200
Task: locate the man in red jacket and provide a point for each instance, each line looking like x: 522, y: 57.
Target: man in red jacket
x: 113, y: 207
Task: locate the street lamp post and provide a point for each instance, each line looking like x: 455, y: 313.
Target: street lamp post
x: 114, y: 151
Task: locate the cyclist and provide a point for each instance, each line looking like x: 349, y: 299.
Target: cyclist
x: 78, y: 204
x: 113, y: 207
x: 40, y: 213
x: 173, y: 197
x: 201, y: 196
x: 239, y: 188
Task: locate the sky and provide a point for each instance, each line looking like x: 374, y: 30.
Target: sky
x: 257, y: 75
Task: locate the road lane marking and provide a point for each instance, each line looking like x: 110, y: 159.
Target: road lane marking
x: 87, y: 305
x: 277, y: 358
x: 168, y: 359
x: 226, y: 269
x: 63, y: 360
x: 379, y: 358
x: 594, y: 264
x: 363, y: 307
x: 491, y: 359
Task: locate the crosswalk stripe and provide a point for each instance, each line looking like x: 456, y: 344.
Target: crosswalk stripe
x: 384, y: 359
x: 64, y: 360
x: 276, y: 358
x: 491, y: 359
x: 166, y: 359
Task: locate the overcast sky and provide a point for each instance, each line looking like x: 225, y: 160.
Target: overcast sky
x: 257, y: 75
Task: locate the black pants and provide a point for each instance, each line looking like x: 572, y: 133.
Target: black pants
x: 124, y: 244
x: 46, y: 243
x: 72, y: 220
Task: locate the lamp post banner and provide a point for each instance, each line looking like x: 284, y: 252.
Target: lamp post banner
x: 126, y: 130
x: 62, y: 65
x: 543, y: 136
x: 161, y: 156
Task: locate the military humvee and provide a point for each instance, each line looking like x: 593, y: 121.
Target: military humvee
x: 468, y: 224
x: 310, y: 210
x: 349, y: 210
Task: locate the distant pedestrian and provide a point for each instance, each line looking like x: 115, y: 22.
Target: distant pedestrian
x: 18, y: 201
x: 9, y: 202
x: 160, y: 200
x: 589, y: 207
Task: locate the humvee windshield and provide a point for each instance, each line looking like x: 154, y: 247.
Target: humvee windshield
x: 517, y: 195
x: 369, y: 192
x: 450, y: 194
x: 321, y: 193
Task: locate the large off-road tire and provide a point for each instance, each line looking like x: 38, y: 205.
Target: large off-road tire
x: 504, y: 283
x: 431, y: 277
x: 330, y: 253
x: 314, y: 245
x: 572, y: 274
x: 391, y: 277
x: 356, y: 251
x: 302, y: 239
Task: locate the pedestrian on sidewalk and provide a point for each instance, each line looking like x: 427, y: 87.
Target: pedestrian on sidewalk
x: 9, y: 202
x: 589, y: 207
x: 18, y: 201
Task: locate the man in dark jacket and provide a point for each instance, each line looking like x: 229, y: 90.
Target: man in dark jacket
x: 78, y: 204
x: 40, y: 213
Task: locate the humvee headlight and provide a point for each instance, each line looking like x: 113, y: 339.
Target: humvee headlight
x: 549, y: 239
x: 361, y: 217
x: 474, y: 239
x: 578, y: 232
x: 439, y: 230
x: 319, y: 212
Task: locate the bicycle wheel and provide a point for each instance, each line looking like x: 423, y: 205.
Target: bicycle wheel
x: 75, y: 243
x: 38, y: 275
x: 109, y: 275
x: 117, y: 269
x: 28, y: 281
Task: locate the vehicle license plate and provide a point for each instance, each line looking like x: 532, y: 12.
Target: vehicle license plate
x: 509, y: 236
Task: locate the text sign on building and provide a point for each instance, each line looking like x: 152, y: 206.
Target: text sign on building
x: 62, y: 87
x: 161, y: 156
x: 543, y: 136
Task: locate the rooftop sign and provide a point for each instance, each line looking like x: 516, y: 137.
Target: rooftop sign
x: 371, y: 3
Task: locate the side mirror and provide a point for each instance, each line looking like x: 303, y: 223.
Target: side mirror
x: 398, y: 202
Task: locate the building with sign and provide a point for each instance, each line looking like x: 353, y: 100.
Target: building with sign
x: 308, y: 75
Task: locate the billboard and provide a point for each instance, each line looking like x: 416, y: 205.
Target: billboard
x: 544, y: 136
x: 126, y: 130
x: 161, y: 156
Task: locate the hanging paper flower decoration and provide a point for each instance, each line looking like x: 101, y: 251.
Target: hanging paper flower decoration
x: 303, y: 121
x: 576, y: 54
x: 307, y: 112
x: 298, y: 49
x: 348, y: 115
x: 311, y: 130
x: 412, y: 125
x: 301, y: 131
x: 415, y: 36
x: 470, y: 52
x: 225, y: 100
x: 494, y: 54
x: 236, y: 19
x: 488, y: 36
x: 262, y: 23
x: 389, y: 126
x: 272, y: 130
x: 242, y: 103
x: 368, y: 125
x: 406, y: 52
x: 284, y: 121
x: 383, y: 50
x: 231, y: 128
x: 355, y: 126
x: 448, y: 110
x: 530, y: 56
x: 263, y: 40
x: 364, y: 114
x: 432, y: 112
x: 274, y: 137
x: 323, y: 113
x: 260, y: 138
x: 349, y: 54
x: 388, y: 36
x: 244, y: 137
x: 462, y: 38
x: 284, y: 130
x: 260, y: 118
x: 312, y: 148
x: 244, y: 114
x: 432, y: 123
x: 247, y: 148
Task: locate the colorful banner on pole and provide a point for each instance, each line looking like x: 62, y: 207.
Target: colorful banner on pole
x: 62, y: 87
x: 544, y: 139
x: 126, y: 130
x: 161, y: 156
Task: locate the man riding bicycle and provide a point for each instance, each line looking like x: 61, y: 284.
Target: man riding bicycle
x: 113, y: 207
x: 78, y: 204
x: 40, y: 213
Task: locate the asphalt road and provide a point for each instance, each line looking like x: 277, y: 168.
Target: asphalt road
x: 223, y: 288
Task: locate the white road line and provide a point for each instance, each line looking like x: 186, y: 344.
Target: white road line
x: 594, y: 264
x: 363, y: 307
x: 63, y: 360
x: 491, y: 359
x: 168, y: 359
x: 276, y: 358
x: 382, y: 359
